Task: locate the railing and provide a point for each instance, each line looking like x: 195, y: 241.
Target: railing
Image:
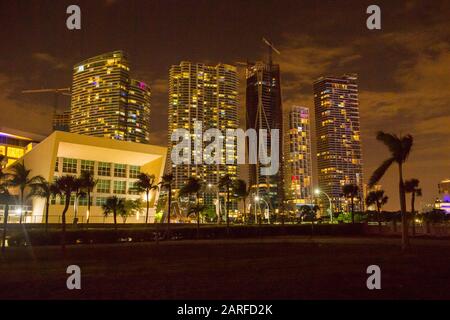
x: 57, y: 219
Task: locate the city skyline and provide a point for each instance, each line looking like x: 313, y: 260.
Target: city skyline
x: 402, y: 97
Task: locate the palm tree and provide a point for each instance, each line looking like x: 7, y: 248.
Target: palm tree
x: 350, y: 191
x: 378, y: 199
x: 20, y: 178
x: 399, y: 147
x: 114, y: 205
x: 241, y: 192
x: 41, y: 188
x: 196, y: 209
x: 192, y: 187
x: 145, y: 183
x: 226, y: 182
x: 79, y: 193
x: 412, y: 186
x: 64, y: 187
x: 6, y: 199
x: 166, y: 183
x: 88, y: 183
x: 130, y: 207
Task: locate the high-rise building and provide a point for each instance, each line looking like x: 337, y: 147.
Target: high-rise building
x: 338, y: 136
x: 61, y: 121
x: 199, y: 92
x: 138, y: 112
x: 298, y: 171
x: 264, y: 111
x: 106, y: 102
x: 14, y: 144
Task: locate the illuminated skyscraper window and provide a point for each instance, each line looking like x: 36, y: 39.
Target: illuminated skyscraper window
x: 338, y: 135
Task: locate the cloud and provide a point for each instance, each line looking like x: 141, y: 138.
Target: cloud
x: 34, y: 118
x: 48, y: 59
x: 404, y: 89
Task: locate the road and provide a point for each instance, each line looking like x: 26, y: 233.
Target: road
x: 269, y: 268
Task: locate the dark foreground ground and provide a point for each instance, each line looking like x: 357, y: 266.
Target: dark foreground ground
x: 277, y: 268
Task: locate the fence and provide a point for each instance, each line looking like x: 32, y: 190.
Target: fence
x: 422, y: 228
x: 57, y: 219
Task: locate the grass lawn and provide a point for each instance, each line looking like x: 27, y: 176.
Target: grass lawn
x: 270, y: 268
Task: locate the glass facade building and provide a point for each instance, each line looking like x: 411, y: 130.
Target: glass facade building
x: 106, y: 102
x: 338, y: 136
x: 298, y: 170
x: 199, y: 92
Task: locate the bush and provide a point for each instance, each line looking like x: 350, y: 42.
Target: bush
x: 38, y: 237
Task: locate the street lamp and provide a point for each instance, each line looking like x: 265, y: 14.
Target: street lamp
x: 257, y: 199
x: 216, y: 202
x: 318, y: 192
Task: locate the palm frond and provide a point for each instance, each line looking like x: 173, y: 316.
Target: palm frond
x: 380, y: 171
x: 406, y: 142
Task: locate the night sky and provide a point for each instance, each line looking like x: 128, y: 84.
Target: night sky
x: 404, y: 69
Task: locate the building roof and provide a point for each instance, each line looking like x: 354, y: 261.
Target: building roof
x: 72, y: 145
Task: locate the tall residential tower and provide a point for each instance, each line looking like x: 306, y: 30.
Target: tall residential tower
x: 199, y: 92
x: 338, y: 135
x: 298, y: 171
x: 106, y: 102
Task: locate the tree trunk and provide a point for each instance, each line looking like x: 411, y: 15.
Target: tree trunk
x: 89, y: 205
x: 21, y: 206
x: 413, y: 213
x: 198, y: 216
x: 5, y: 225
x: 245, y: 212
x: 405, y: 237
x: 47, y: 204
x: 63, y: 219
x: 228, y: 209
x: 148, y: 206
x: 168, y: 211
x: 115, y: 218
x: 353, y: 211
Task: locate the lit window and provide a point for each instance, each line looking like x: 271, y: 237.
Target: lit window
x: 120, y: 170
x: 132, y: 188
x: 69, y: 165
x: 87, y: 166
x: 100, y: 201
x: 104, y: 186
x: 119, y: 187
x: 134, y: 171
x: 104, y: 169
x: 15, y: 152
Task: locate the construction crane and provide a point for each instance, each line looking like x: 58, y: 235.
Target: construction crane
x: 271, y: 48
x: 56, y: 92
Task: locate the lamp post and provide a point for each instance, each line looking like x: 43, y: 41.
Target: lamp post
x: 257, y: 199
x: 317, y: 192
x: 217, y: 203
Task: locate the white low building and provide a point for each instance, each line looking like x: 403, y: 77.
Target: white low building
x: 115, y: 165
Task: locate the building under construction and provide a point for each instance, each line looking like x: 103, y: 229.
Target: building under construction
x: 264, y: 111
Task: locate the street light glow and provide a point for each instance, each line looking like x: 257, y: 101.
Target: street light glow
x: 257, y: 198
x: 317, y: 191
